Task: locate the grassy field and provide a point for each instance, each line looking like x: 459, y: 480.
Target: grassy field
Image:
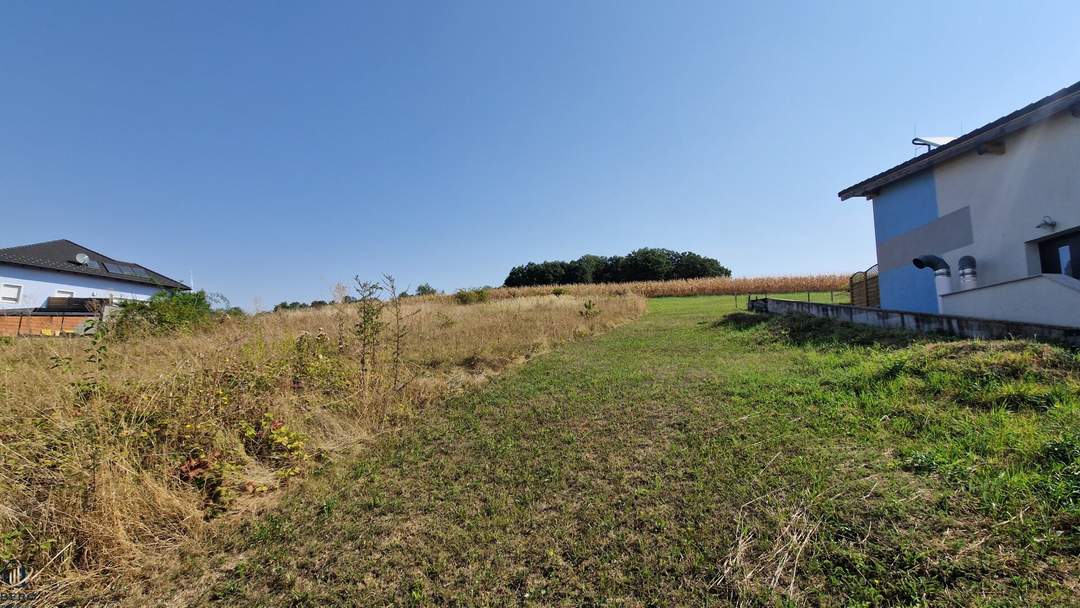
x: 115, y: 452
x: 693, y: 458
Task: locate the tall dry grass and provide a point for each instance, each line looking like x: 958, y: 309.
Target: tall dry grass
x: 112, y: 454
x: 721, y: 286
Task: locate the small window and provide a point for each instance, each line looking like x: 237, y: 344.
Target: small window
x: 10, y: 293
x: 63, y: 293
x: 1059, y: 255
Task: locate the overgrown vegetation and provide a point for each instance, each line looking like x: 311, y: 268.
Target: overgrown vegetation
x: 473, y: 295
x: 645, y: 264
x: 999, y: 419
x: 760, y: 461
x: 165, y: 312
x: 117, y: 450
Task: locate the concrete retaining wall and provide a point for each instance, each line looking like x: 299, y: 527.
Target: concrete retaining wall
x: 967, y: 327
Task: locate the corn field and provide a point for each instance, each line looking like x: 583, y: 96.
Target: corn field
x: 687, y: 287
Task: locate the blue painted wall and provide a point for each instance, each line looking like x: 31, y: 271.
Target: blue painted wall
x: 901, y: 207
x: 908, y: 288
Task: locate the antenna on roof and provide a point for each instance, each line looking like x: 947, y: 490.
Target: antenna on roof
x: 931, y: 142
x: 82, y: 258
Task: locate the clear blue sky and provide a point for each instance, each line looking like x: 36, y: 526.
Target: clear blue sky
x: 274, y: 149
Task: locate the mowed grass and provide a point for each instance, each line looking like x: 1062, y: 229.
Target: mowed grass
x: 694, y: 459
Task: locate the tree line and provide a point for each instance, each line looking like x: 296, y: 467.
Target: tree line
x: 424, y: 289
x: 645, y: 264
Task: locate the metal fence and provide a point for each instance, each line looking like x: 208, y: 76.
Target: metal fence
x: 864, y: 288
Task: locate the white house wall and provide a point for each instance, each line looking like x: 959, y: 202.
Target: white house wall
x: 984, y: 206
x: 1039, y: 175
x: 1051, y: 299
x: 38, y: 285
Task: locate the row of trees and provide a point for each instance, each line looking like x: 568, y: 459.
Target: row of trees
x: 423, y: 289
x: 645, y: 264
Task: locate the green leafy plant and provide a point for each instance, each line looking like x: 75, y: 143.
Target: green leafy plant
x: 471, y: 296
x: 165, y: 312
x: 589, y: 309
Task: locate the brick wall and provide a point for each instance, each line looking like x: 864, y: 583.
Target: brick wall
x: 40, y: 325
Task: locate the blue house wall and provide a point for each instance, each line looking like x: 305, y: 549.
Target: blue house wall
x: 899, y: 208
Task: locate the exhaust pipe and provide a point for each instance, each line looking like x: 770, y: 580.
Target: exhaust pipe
x: 942, y: 274
x: 968, y: 277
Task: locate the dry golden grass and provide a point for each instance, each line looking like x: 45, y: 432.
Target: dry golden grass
x: 686, y: 287
x: 109, y: 465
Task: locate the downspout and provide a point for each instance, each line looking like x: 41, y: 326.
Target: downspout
x: 942, y: 274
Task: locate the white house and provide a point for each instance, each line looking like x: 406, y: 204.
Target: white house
x: 988, y: 224
x: 30, y: 274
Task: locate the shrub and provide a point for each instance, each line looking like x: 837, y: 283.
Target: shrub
x: 165, y: 312
x: 471, y: 296
x: 425, y: 289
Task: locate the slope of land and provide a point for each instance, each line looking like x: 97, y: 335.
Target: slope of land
x: 682, y: 460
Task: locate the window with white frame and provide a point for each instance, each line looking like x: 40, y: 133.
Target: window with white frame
x: 10, y: 292
x: 64, y: 293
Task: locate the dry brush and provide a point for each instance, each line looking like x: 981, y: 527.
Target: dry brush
x: 114, y: 453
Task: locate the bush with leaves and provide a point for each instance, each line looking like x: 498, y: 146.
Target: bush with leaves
x: 165, y: 312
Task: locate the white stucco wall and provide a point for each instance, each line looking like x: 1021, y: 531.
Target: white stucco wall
x: 1038, y: 175
x: 38, y: 285
x: 1050, y: 299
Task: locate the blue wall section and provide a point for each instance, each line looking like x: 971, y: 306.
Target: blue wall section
x: 905, y: 205
x: 899, y: 208
x: 908, y: 288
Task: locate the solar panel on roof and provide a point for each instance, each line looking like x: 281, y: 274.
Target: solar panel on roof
x: 93, y: 264
x: 140, y: 272
x: 113, y: 268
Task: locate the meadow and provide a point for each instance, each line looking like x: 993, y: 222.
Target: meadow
x: 700, y: 455
x: 543, y: 450
x: 114, y: 452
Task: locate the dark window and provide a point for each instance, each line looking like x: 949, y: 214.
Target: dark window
x: 1059, y: 256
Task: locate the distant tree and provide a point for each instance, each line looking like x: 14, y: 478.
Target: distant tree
x: 610, y: 271
x: 689, y: 265
x: 425, y: 289
x: 583, y: 269
x: 318, y: 303
x: 648, y: 264
x: 645, y: 264
x: 545, y: 273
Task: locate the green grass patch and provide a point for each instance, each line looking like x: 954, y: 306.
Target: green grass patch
x: 696, y: 458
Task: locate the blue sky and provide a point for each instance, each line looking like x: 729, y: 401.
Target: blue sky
x: 273, y: 149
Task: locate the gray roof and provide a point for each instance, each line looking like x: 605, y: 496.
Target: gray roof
x: 60, y: 256
x: 1065, y: 99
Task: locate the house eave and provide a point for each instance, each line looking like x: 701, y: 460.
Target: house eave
x: 984, y: 139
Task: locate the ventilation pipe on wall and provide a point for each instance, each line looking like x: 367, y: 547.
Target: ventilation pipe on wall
x: 942, y: 274
x: 966, y: 269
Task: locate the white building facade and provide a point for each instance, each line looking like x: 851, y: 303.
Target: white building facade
x: 997, y: 211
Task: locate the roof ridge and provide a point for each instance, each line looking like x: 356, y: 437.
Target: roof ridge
x: 81, y: 246
x: 995, y: 129
x: 35, y: 244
